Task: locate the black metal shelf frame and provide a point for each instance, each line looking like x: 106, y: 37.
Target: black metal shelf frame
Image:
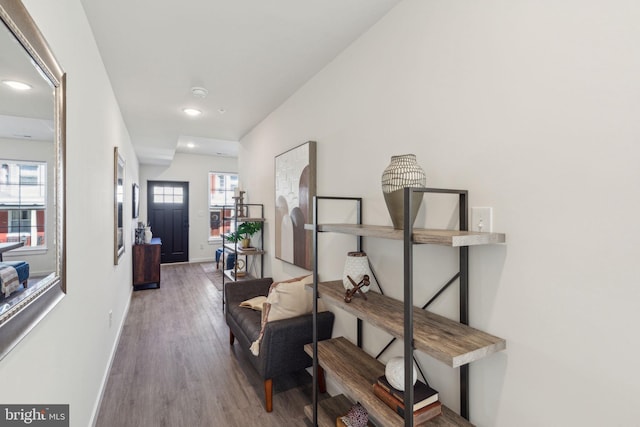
x: 462, y: 275
x: 236, y: 219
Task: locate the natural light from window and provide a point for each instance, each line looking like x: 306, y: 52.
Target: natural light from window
x: 23, y: 198
x: 221, y: 191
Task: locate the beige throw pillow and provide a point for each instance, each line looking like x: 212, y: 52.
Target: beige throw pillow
x: 286, y: 299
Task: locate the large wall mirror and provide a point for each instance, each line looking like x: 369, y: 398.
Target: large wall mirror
x: 32, y: 157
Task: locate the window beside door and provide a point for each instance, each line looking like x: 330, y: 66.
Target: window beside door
x: 221, y: 191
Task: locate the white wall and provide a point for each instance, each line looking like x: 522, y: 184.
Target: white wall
x: 533, y: 107
x: 193, y: 169
x: 65, y: 358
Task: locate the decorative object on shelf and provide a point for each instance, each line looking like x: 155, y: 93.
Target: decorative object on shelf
x: 356, y: 266
x: 239, y: 202
x: 357, y: 276
x: 140, y: 233
x: 244, y: 232
x: 295, y: 187
x: 238, y: 269
x: 394, y: 372
x: 148, y: 235
x: 356, y: 417
x: 357, y: 288
x: 402, y: 172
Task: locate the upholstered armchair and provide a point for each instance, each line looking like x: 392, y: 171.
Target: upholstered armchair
x: 282, y: 345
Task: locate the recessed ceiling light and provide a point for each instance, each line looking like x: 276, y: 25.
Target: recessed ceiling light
x: 221, y: 110
x: 17, y: 85
x: 191, y: 144
x: 192, y: 111
x: 199, y: 92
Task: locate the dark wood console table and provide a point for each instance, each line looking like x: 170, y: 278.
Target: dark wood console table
x: 146, y: 264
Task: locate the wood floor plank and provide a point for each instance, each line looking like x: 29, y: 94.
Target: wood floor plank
x: 174, y: 365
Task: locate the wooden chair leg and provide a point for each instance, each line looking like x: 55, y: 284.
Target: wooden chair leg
x: 231, y: 337
x: 268, y: 394
x: 322, y: 385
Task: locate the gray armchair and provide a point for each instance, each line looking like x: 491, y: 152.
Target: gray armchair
x: 282, y: 347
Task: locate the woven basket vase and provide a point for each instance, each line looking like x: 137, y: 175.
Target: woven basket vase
x: 403, y: 171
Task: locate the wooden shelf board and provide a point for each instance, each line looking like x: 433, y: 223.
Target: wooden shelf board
x: 231, y: 247
x: 330, y: 409
x: 358, y: 371
x: 230, y: 276
x: 455, y: 238
x: 244, y: 219
x: 448, y: 341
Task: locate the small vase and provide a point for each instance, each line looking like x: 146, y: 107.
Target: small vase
x: 147, y: 235
x: 403, y: 171
x: 356, y: 266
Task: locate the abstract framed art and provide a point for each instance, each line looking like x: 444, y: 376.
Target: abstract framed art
x: 295, y: 174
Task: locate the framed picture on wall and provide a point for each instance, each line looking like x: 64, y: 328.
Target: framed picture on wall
x: 118, y: 205
x: 135, y: 192
x: 295, y: 175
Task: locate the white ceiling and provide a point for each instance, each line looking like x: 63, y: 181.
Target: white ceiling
x: 23, y: 114
x: 251, y: 55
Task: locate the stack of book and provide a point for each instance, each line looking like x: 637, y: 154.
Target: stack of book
x: 426, y: 405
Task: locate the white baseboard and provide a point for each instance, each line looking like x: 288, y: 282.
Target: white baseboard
x: 105, y: 378
x: 198, y: 260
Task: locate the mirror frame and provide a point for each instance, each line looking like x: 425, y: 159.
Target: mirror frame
x: 26, y: 314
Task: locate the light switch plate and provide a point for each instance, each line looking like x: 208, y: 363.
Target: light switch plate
x: 482, y: 219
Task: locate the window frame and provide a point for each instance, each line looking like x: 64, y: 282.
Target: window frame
x: 44, y: 188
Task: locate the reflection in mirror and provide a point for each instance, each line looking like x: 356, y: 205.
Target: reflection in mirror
x: 31, y: 176
x: 118, y: 202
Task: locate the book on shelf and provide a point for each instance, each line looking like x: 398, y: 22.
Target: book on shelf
x: 423, y: 395
x: 420, y: 416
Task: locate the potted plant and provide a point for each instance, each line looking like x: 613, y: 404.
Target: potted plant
x: 244, y: 232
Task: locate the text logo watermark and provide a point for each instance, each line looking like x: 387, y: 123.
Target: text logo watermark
x: 34, y: 415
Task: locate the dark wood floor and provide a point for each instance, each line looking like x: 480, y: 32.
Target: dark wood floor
x: 174, y: 366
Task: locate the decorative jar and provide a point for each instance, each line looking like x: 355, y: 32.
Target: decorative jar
x: 147, y: 234
x: 356, y: 266
x: 403, y: 171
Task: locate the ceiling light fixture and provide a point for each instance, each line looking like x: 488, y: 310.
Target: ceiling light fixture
x: 17, y: 85
x: 192, y: 111
x: 191, y: 145
x: 199, y: 92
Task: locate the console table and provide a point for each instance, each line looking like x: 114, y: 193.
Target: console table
x: 146, y: 264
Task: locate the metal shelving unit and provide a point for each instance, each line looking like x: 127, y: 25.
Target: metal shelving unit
x: 464, y: 344
x: 231, y: 275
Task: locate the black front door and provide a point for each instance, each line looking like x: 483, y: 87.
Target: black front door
x: 168, y: 216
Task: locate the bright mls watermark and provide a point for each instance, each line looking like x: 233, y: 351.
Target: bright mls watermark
x: 34, y: 415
